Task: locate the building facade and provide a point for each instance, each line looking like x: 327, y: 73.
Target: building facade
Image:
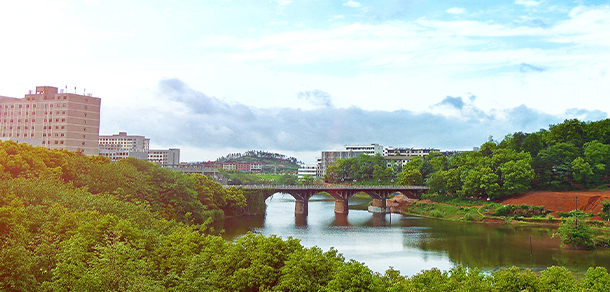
x: 308, y: 169
x: 402, y: 151
x: 53, y: 119
x: 170, y: 156
x: 121, y: 145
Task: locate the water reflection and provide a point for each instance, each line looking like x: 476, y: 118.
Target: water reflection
x: 411, y: 244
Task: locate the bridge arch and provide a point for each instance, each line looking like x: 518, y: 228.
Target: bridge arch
x: 341, y: 194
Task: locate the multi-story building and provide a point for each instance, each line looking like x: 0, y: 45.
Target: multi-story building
x: 124, y: 141
x: 401, y: 156
x: 121, y: 145
x: 170, y: 156
x: 402, y: 151
x: 229, y: 166
x: 52, y: 118
x: 256, y: 167
x: 308, y: 169
x: 243, y: 166
x: 350, y: 151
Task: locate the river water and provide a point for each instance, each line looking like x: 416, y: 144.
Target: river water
x: 413, y: 244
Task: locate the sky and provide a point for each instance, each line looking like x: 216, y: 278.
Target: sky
x: 298, y: 77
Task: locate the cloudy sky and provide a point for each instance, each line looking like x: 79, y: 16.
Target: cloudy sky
x: 297, y: 77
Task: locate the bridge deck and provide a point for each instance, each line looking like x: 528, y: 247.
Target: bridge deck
x: 331, y: 187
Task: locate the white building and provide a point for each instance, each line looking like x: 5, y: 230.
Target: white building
x: 308, y: 169
x: 402, y: 151
x: 124, y: 142
x: 121, y: 145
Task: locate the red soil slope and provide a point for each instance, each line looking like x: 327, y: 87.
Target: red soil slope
x: 562, y: 201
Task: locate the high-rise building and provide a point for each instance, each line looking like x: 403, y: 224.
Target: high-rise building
x: 52, y: 118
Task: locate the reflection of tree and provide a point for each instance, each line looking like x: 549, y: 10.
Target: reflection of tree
x: 488, y: 246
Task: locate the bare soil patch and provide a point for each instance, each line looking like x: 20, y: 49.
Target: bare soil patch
x: 590, y: 201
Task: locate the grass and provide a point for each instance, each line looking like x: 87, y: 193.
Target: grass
x: 445, y: 211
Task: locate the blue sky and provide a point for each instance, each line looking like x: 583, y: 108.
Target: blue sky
x: 298, y: 77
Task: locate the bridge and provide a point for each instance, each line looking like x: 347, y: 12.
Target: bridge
x: 341, y: 193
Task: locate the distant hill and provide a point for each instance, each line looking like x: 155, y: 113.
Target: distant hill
x: 272, y: 162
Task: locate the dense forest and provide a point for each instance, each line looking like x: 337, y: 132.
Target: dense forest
x: 568, y: 156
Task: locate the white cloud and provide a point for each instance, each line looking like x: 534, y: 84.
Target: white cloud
x: 455, y: 10
x: 528, y: 3
x: 284, y: 2
x: 353, y: 4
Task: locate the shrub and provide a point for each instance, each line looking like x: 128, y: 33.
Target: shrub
x: 521, y: 211
x: 575, y: 233
x: 575, y: 213
x: 605, y: 210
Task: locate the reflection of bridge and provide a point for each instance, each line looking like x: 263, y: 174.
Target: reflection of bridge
x: 341, y: 193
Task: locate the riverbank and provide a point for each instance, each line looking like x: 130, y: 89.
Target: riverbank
x: 498, y: 213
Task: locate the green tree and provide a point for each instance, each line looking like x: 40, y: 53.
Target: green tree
x: 288, y: 180
x: 557, y: 279
x: 516, y: 176
x: 581, y: 171
x: 553, y: 166
x: 309, y: 269
x: 306, y: 180
x: 596, y: 279
x: 354, y: 276
x: 570, y: 131
x: 514, y: 280
x: 598, y: 156
x: 363, y: 169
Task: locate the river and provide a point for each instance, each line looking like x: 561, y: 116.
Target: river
x: 412, y: 244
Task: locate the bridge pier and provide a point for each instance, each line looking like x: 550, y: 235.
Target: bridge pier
x: 341, y: 206
x: 301, y: 207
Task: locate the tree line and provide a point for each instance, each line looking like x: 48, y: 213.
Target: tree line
x: 568, y: 156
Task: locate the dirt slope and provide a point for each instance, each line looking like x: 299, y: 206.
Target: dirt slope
x: 563, y: 201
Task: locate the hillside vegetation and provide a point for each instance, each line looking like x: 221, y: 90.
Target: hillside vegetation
x: 272, y: 162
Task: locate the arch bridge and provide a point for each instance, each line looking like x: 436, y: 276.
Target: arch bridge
x: 341, y: 193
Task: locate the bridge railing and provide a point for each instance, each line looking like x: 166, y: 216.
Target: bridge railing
x: 330, y: 187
